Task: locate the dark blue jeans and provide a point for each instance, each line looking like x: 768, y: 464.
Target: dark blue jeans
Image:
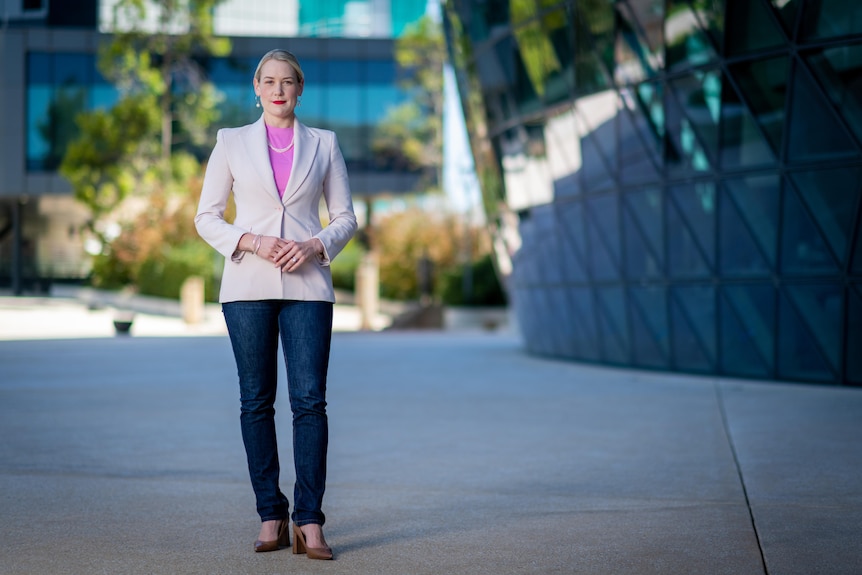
x: 306, y: 332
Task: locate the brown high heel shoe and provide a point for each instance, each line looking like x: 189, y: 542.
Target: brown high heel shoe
x: 283, y: 539
x: 299, y: 546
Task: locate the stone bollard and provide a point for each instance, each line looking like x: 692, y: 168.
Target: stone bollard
x: 368, y: 290
x: 192, y: 300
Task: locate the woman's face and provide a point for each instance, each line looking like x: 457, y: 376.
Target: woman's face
x: 279, y: 89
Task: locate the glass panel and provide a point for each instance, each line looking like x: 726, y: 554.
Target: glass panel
x: 612, y: 323
x: 639, y: 40
x: 693, y: 128
x: 750, y: 27
x: 856, y: 268
x: 595, y: 125
x: 643, y: 230
x: 830, y: 18
x: 757, y: 198
x: 594, y: 52
x: 747, y: 336
x: 587, y: 338
x: 803, y: 249
x: 763, y: 85
x: 560, y: 83
x: 815, y: 132
x: 694, y: 307
x: 691, y: 229
x: 799, y: 355
x: 742, y: 141
x: 640, y: 145
x: 650, y: 334
x: 536, y: 51
x: 571, y: 224
x: 686, y: 43
x: 820, y: 306
x: 787, y: 11
x: 603, y: 230
x: 832, y: 197
x: 839, y: 71
x: 853, y: 359
x: 739, y: 253
x: 517, y: 73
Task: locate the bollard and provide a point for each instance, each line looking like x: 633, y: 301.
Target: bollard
x: 192, y: 300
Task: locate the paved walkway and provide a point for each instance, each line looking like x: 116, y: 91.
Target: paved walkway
x: 451, y: 453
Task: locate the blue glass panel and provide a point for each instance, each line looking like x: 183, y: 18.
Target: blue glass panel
x: 691, y: 229
x: 787, y: 11
x: 756, y: 199
x: 820, y: 308
x: 40, y: 69
x: 803, y: 249
x: 815, y: 131
x: 686, y: 42
x: 747, y: 336
x: 831, y: 18
x: 571, y: 261
x: 693, y: 324
x: 643, y: 221
x: 586, y: 337
x: 739, y: 252
x: 639, y: 43
x: 594, y: 49
x: 573, y: 228
x: 613, y: 326
x: 597, y: 130
x: 853, y: 359
x: 693, y: 108
x: 763, y: 85
x: 750, y: 27
x: 603, y: 229
x: 799, y: 356
x: 650, y: 333
x: 831, y: 197
x: 640, y: 146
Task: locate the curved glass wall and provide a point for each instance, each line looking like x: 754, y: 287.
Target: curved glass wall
x: 674, y: 184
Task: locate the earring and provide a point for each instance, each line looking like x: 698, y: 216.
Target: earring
x: 257, y: 101
x: 298, y: 101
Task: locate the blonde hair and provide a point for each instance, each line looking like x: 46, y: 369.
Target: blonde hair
x: 281, y: 56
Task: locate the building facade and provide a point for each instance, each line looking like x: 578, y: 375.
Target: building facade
x: 674, y: 184
x: 48, y: 74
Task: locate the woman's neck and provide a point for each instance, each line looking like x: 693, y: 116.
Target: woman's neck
x: 276, y: 122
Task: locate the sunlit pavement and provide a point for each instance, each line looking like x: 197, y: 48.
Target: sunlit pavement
x: 450, y: 453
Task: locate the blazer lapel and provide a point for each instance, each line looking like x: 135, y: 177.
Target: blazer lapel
x: 304, y: 152
x: 255, y: 145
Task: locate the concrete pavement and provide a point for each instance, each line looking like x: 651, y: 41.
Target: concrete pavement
x: 451, y: 453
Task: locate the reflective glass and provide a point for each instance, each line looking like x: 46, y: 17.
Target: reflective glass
x: 803, y: 250
x: 602, y: 219
x: 687, y: 43
x: 594, y: 52
x: 711, y: 15
x: 639, y: 40
x: 587, y: 337
x: 643, y: 223
x: 839, y: 72
x: 650, y: 333
x: 853, y: 359
x: 640, y: 145
x: 517, y: 74
x: 542, y: 64
x: 799, y: 355
x: 787, y: 11
x: 739, y: 252
x: 831, y: 197
x: 747, y: 336
x: 831, y: 18
x: 693, y: 110
x: 691, y: 229
x: 820, y: 307
x: 756, y: 200
x: 560, y: 82
x: 596, y: 128
x: 750, y: 27
x: 613, y: 326
x: 815, y: 130
x: 693, y: 326
x: 572, y: 226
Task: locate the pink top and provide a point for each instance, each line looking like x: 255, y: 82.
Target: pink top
x: 281, y: 161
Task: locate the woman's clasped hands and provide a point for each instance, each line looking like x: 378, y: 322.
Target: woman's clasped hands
x: 288, y: 255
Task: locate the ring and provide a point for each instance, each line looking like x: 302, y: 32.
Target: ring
x: 294, y: 260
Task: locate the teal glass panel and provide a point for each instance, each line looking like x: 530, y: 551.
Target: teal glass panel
x: 686, y: 42
x: 832, y: 197
x: 650, y: 333
x: 856, y: 266
x: 839, y: 72
x: 603, y: 232
x: 853, y: 359
x: 711, y: 15
x: 639, y: 144
x: 596, y: 127
x: 756, y: 199
x: 763, y: 86
x: 747, y: 335
x: 821, y: 309
x: 750, y: 27
x: 831, y: 18
x: 691, y: 229
x: 639, y: 46
x: 613, y: 326
x: 743, y: 142
x: 803, y: 250
x: 694, y: 326
x: 799, y: 355
x: 788, y: 11
x: 693, y: 110
x: 815, y: 130
x: 739, y: 252
x: 643, y: 223
x: 587, y: 335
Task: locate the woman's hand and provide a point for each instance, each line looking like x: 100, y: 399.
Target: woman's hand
x: 292, y: 254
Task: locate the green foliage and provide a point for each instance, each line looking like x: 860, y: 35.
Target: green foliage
x: 344, y: 266
x: 485, y: 285
x: 163, y: 274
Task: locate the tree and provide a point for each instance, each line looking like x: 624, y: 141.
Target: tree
x: 135, y: 164
x: 411, y: 134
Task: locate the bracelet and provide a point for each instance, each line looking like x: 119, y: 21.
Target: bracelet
x: 255, y: 243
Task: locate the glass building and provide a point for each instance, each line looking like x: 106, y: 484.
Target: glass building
x: 674, y: 184
x: 48, y: 74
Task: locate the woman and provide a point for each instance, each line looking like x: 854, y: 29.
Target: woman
x: 277, y: 281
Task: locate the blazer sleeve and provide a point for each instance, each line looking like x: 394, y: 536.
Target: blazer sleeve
x: 217, y: 186
x: 339, y: 204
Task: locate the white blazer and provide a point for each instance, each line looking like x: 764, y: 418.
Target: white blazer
x: 239, y: 163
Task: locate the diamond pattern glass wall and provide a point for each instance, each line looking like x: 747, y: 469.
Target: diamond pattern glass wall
x: 705, y: 168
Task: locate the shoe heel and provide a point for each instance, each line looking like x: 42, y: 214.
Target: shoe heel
x: 298, y: 541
